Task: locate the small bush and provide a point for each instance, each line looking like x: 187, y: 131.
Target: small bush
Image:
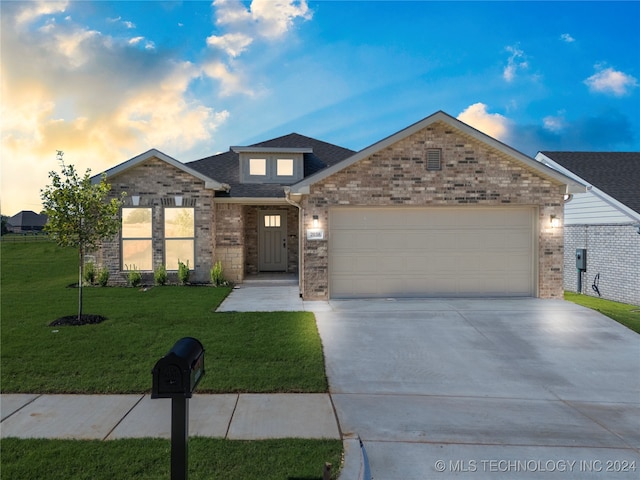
x: 89, y: 274
x: 183, y: 272
x: 160, y: 275
x: 134, y: 276
x: 217, y: 276
x: 103, y: 276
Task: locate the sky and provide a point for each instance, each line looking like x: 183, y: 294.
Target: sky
x: 106, y: 81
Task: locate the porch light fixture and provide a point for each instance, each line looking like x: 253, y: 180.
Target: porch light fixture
x: 555, y: 221
x: 315, y: 221
x: 135, y: 199
x: 178, y: 200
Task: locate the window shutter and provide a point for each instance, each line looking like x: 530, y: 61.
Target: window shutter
x: 434, y: 159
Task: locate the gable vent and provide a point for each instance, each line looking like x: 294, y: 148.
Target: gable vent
x: 434, y: 159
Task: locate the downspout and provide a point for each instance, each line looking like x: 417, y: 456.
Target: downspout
x: 287, y: 197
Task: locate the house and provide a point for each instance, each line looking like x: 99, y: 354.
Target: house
x: 436, y: 209
x: 26, y: 221
x: 604, y: 220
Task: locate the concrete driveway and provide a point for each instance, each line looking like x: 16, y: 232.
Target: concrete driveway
x: 485, y: 389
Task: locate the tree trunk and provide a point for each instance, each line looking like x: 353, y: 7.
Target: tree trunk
x: 81, y: 255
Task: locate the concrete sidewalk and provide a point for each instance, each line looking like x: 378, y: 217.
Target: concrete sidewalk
x: 108, y: 417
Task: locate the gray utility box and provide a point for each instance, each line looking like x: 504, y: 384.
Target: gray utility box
x: 179, y: 371
x: 581, y: 259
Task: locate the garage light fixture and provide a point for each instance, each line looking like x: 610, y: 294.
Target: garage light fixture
x: 315, y: 221
x: 555, y: 221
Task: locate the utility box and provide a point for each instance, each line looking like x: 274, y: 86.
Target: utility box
x: 179, y: 371
x: 581, y: 259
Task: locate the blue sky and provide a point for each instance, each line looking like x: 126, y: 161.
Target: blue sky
x: 105, y: 81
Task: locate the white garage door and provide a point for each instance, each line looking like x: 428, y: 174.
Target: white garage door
x: 448, y: 252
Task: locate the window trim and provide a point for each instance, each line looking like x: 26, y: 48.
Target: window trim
x: 124, y: 267
x: 166, y: 239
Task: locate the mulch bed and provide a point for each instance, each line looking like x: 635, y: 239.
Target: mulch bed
x: 73, y: 320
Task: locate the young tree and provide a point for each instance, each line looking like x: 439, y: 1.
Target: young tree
x: 80, y: 213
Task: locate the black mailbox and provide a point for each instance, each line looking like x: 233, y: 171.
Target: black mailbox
x: 178, y: 373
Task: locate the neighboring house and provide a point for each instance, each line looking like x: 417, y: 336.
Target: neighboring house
x: 26, y: 221
x: 604, y: 220
x: 437, y: 209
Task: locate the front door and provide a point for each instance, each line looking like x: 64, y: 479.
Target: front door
x: 272, y: 235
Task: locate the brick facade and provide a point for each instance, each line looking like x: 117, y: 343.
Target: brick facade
x: 613, y: 252
x: 472, y: 174
x: 157, y: 184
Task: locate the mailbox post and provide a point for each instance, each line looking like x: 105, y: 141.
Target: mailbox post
x: 176, y: 376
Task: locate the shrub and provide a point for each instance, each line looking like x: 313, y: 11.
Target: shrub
x: 134, y: 277
x: 160, y: 275
x: 217, y: 277
x: 183, y: 272
x: 103, y: 276
x: 89, y: 274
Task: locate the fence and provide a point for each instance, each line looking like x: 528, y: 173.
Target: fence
x: 25, y: 237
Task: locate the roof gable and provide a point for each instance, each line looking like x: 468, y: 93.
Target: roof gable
x: 617, y: 174
x: 153, y: 153
x: 440, y: 116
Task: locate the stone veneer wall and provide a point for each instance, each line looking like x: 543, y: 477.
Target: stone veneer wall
x: 472, y: 174
x: 157, y: 183
x: 613, y: 251
x: 230, y: 242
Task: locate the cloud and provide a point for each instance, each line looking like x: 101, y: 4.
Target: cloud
x: 517, y: 62
x: 610, y: 81
x: 233, y: 44
x: 565, y: 37
x: 554, y: 123
x: 34, y: 10
x: 99, y: 97
x: 270, y: 19
x: 492, y: 124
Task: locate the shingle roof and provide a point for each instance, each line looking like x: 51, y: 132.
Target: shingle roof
x: 28, y: 219
x: 615, y: 173
x: 225, y: 167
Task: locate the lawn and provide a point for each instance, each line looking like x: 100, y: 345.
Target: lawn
x: 244, y: 352
x: 150, y: 459
x: 627, y: 315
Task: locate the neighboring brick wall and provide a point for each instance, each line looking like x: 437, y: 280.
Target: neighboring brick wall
x: 157, y: 183
x: 613, y: 251
x: 472, y: 174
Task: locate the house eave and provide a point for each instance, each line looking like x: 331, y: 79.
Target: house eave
x: 572, y: 186
x: 209, y: 183
x: 240, y: 149
x: 251, y: 200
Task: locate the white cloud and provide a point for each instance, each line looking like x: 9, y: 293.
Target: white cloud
x: 566, y: 37
x: 493, y: 124
x: 34, y: 10
x: 232, y: 43
x: 610, y: 81
x: 553, y: 123
x: 275, y: 17
x: 516, y: 62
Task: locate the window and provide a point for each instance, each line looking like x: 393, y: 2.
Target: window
x: 434, y: 160
x: 179, y: 234
x: 271, y: 221
x: 257, y: 166
x: 284, y: 167
x: 137, y: 251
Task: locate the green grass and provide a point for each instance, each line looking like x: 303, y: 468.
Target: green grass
x: 627, y: 315
x: 150, y: 459
x: 244, y: 352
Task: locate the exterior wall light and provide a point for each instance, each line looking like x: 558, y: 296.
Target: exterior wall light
x: 315, y: 221
x: 135, y: 199
x: 178, y: 200
x: 555, y: 221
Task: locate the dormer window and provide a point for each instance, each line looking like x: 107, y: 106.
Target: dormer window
x: 271, y: 165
